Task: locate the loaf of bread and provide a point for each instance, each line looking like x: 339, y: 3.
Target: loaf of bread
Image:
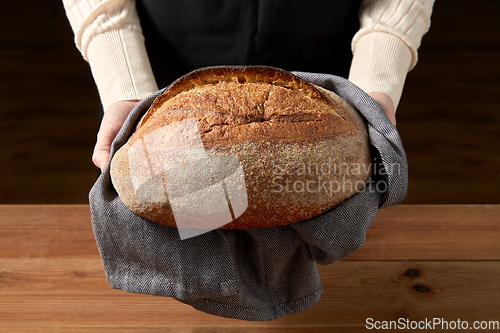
x: 242, y: 147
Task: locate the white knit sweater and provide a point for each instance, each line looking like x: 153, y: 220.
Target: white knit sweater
x: 109, y: 36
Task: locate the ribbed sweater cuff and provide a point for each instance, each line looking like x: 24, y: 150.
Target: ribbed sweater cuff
x: 381, y: 62
x: 120, y: 66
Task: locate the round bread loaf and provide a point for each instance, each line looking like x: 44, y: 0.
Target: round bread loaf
x: 242, y: 147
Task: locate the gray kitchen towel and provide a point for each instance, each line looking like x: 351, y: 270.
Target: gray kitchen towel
x: 253, y: 274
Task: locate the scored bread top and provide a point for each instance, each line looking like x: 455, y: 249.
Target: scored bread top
x: 234, y: 104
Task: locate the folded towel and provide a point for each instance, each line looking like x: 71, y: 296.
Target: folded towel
x: 253, y: 274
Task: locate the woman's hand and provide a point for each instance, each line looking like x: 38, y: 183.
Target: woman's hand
x: 114, y: 117
x: 386, y: 102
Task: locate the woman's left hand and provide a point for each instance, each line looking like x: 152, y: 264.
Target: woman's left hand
x: 386, y: 102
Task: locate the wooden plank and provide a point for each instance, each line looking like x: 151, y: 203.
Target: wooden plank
x: 430, y: 232
x: 401, y: 232
x: 46, y: 231
x: 45, y: 216
x: 61, y: 293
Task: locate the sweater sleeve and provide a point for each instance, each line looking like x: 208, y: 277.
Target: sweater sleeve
x: 109, y: 36
x: 385, y: 47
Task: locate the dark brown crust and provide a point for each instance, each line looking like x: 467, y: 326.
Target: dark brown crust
x: 241, y: 74
x: 319, y: 127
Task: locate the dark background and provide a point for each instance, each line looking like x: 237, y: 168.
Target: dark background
x: 448, y: 118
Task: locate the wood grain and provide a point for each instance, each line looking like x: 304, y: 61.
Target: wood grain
x: 402, y: 232
x: 418, y: 263
x: 433, y: 232
x: 46, y: 231
x: 74, y: 293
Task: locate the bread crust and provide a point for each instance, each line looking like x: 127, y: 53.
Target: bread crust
x: 297, y: 145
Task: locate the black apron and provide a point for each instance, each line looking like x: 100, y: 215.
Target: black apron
x: 311, y: 36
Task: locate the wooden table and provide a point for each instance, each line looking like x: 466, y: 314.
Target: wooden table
x: 418, y: 263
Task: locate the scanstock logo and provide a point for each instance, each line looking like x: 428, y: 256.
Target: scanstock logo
x: 171, y: 165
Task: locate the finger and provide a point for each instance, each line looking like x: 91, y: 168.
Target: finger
x: 100, y: 157
x: 391, y: 116
x: 102, y: 147
x: 111, y: 123
x: 386, y: 103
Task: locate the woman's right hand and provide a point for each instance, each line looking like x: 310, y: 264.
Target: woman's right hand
x: 114, y: 117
